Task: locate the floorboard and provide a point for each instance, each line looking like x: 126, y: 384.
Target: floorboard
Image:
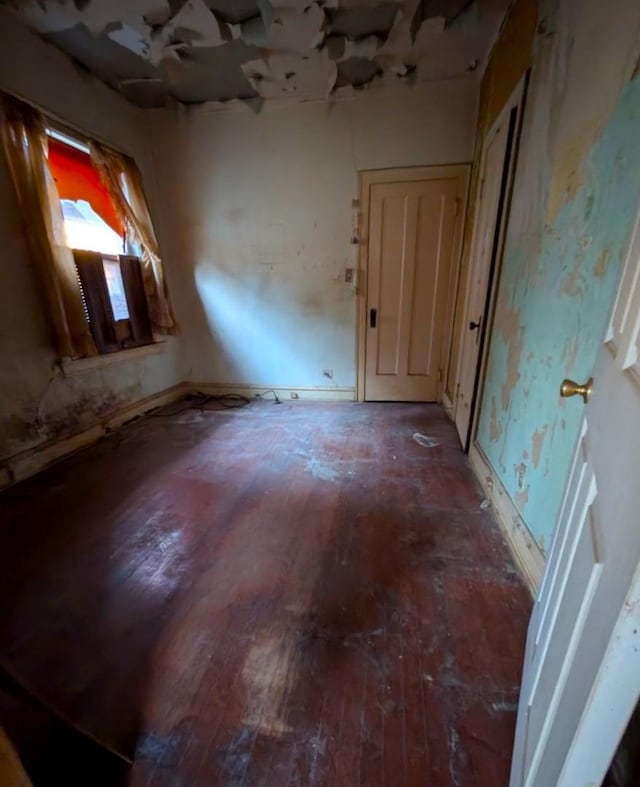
x: 293, y: 594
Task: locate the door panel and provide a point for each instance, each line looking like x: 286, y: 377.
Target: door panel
x: 432, y: 279
x: 390, y: 214
x: 572, y: 640
x: 496, y: 175
x: 412, y: 265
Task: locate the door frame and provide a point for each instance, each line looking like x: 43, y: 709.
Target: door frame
x: 366, y: 179
x: 517, y: 102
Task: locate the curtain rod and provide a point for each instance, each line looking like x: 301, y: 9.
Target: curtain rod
x: 62, y: 124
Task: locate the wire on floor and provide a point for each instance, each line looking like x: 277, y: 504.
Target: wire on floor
x: 203, y: 402
x: 262, y: 394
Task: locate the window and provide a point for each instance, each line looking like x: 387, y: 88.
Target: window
x: 86, y: 291
x: 110, y: 279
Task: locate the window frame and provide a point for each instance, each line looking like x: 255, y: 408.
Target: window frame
x: 110, y: 334
x: 124, y: 335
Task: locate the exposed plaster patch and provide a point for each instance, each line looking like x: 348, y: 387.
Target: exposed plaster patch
x: 234, y: 12
x: 277, y: 75
x: 508, y: 323
x: 522, y: 498
x: 573, y: 283
x: 295, y: 32
x: 494, y: 427
x: 357, y: 71
x: 537, y: 442
x: 602, y: 264
x: 570, y: 351
x: 216, y: 74
x: 568, y: 174
x: 194, y: 24
x: 361, y: 21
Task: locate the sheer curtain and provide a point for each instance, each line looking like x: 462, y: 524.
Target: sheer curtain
x: 123, y: 180
x: 24, y: 140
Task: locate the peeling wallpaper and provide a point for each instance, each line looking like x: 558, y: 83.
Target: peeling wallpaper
x: 576, y: 197
x: 509, y: 61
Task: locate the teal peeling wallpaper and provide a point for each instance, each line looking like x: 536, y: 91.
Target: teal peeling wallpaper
x: 555, y: 293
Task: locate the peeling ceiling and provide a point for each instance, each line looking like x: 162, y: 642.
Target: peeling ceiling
x: 193, y: 51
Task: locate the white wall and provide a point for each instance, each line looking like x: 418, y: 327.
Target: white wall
x: 36, y: 402
x: 260, y: 222
x: 254, y: 218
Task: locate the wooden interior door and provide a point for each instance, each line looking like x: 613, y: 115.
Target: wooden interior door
x: 496, y: 176
x: 582, y: 665
x: 413, y: 245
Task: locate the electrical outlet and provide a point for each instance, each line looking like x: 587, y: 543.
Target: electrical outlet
x: 328, y: 373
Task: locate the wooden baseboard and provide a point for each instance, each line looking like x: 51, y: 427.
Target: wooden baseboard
x: 526, y: 552
x: 316, y: 393
x: 33, y: 460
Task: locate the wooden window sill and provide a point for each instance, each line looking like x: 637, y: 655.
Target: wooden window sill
x: 72, y: 366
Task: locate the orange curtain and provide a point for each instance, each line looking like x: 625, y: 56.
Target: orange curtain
x: 77, y: 179
x: 24, y: 140
x: 123, y: 181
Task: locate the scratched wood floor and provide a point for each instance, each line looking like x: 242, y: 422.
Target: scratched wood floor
x: 294, y: 594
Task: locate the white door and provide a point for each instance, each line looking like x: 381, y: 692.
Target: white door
x: 581, y: 676
x: 413, y: 237
x: 496, y: 171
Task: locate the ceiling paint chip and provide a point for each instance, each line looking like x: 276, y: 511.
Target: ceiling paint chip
x: 357, y: 72
x: 234, y: 12
x: 104, y: 57
x: 217, y: 50
x: 362, y: 21
x: 145, y: 92
x: 215, y: 74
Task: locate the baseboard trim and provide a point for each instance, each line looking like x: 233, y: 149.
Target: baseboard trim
x: 526, y: 552
x: 27, y: 463
x: 315, y: 393
x: 33, y: 460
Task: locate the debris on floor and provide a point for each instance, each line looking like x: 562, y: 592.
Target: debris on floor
x: 425, y: 441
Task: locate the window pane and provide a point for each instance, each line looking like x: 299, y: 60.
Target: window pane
x: 90, y: 219
x: 85, y: 229
x: 116, y: 289
x: 77, y: 179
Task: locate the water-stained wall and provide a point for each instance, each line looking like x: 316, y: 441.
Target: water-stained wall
x: 38, y: 400
x: 262, y: 222
x: 576, y: 195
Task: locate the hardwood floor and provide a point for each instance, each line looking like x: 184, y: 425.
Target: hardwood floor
x: 294, y: 594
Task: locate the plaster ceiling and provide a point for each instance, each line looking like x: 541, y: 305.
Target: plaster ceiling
x: 194, y: 51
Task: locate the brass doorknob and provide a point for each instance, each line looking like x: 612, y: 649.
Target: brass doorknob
x: 570, y: 388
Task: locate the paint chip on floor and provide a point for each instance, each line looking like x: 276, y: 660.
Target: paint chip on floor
x: 425, y: 441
